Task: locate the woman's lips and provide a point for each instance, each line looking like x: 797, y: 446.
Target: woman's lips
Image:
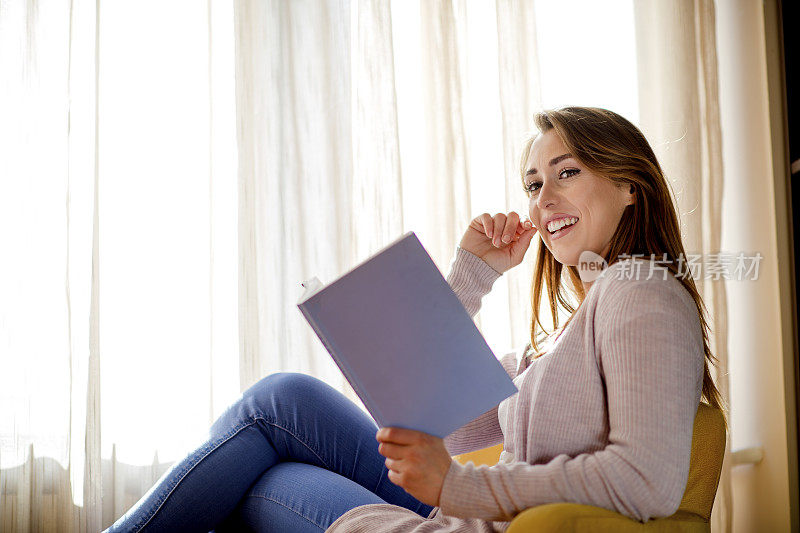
x: 563, y: 231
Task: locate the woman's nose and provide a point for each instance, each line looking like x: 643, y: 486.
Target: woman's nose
x: 547, y: 196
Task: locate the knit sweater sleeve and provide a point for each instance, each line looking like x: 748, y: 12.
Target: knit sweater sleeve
x: 649, y: 353
x: 471, y: 279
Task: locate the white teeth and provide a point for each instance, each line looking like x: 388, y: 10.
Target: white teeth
x: 556, y: 225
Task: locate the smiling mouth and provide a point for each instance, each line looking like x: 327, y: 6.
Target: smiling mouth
x: 562, y: 229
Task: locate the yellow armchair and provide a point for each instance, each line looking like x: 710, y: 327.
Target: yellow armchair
x: 694, y: 512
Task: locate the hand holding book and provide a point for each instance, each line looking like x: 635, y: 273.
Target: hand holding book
x: 417, y: 462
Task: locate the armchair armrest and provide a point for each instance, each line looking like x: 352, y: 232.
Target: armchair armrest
x: 575, y: 518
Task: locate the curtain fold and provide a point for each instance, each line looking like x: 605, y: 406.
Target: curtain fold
x: 377, y: 187
x: 520, y: 98
x: 293, y: 76
x: 447, y: 194
x: 678, y: 97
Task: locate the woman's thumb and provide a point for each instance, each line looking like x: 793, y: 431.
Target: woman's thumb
x: 525, y: 241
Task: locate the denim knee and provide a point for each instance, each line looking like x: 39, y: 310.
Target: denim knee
x: 283, y: 387
x: 270, y: 396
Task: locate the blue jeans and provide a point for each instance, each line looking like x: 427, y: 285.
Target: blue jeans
x: 292, y: 454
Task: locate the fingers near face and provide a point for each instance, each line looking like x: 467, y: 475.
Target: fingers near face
x: 522, y: 227
x: 488, y: 224
x: 512, y: 223
x: 506, y: 227
x: 499, y: 221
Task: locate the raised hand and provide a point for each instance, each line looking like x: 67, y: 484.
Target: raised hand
x: 501, y: 241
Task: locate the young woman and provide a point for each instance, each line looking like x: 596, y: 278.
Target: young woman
x: 604, y: 415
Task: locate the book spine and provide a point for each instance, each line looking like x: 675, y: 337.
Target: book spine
x: 368, y: 402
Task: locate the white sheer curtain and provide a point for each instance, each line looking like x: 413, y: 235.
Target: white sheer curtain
x: 118, y: 335
x: 48, y: 323
x: 159, y: 216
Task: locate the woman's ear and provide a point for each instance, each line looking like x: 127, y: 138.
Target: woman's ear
x: 626, y: 192
x: 631, y: 195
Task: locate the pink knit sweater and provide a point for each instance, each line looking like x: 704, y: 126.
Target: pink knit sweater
x: 604, y: 418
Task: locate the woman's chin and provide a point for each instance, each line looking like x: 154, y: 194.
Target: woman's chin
x: 563, y: 252
x: 566, y: 260
x: 565, y: 257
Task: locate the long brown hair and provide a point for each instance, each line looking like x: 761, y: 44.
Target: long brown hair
x: 612, y: 147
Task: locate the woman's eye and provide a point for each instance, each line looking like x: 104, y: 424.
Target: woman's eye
x: 573, y: 171
x: 532, y: 187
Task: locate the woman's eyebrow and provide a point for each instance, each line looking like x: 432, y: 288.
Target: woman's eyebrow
x: 553, y: 161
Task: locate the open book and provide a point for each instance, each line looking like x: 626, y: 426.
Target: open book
x: 404, y: 341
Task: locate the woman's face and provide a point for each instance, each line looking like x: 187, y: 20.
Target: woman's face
x: 562, y: 189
